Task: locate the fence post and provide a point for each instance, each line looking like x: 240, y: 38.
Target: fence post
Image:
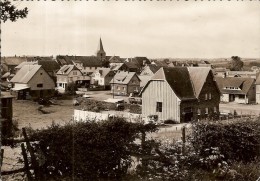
x: 33, y: 158
x: 26, y: 165
x: 2, y: 158
x: 183, y: 140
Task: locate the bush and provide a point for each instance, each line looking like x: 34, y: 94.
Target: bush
x: 238, y: 140
x: 90, y: 150
x: 135, y: 108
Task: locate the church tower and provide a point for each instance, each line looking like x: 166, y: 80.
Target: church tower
x: 101, y: 54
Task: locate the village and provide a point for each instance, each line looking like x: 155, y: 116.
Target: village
x: 131, y: 109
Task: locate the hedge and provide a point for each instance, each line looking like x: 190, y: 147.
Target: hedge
x: 238, y: 140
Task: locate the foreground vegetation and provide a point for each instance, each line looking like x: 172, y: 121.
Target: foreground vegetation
x: 104, y: 151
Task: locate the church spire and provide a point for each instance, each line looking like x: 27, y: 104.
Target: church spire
x: 100, y: 46
x: 101, y: 54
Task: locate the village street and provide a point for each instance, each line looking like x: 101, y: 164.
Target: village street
x: 240, y: 108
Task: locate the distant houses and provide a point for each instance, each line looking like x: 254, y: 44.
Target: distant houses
x: 125, y: 83
x: 237, y: 89
x: 181, y: 94
x: 102, y: 77
x: 32, y: 81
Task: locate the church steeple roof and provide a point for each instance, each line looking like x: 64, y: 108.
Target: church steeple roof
x: 100, y: 46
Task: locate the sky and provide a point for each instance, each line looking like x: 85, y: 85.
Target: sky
x: 156, y: 29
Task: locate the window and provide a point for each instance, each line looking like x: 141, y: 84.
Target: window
x: 158, y: 106
x: 118, y: 88
x: 241, y: 96
x: 206, y: 110
x: 209, y: 96
x: 74, y: 73
x: 124, y: 88
x: 215, y: 109
x: 206, y: 96
x: 39, y: 85
x: 198, y: 111
x: 41, y: 73
x: 60, y: 84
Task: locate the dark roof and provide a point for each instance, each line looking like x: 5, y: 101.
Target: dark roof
x: 49, y: 65
x: 186, y: 82
x: 87, y: 61
x: 123, y: 77
x: 154, y: 68
x: 139, y: 61
x: 238, y: 82
x: 64, y: 60
x: 180, y: 82
x: 13, y: 60
x: 131, y: 65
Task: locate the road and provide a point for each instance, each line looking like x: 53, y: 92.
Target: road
x: 240, y: 108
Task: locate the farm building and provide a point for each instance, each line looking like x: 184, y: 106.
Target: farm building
x: 237, y: 89
x: 181, y: 94
x: 125, y: 83
x: 32, y: 81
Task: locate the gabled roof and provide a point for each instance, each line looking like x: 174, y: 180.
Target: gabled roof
x: 178, y: 78
x: 154, y: 68
x: 25, y: 74
x: 198, y: 76
x: 13, y: 60
x: 238, y: 82
x: 116, y: 66
x: 25, y: 63
x: 144, y: 79
x: 139, y: 61
x: 123, y: 77
x: 103, y: 71
x: 66, y: 69
x: 115, y: 59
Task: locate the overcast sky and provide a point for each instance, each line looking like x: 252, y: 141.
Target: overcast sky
x: 174, y: 29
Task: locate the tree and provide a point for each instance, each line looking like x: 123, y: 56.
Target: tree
x: 236, y: 63
x: 10, y: 12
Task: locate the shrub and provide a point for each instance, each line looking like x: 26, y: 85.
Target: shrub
x: 238, y: 140
x: 136, y: 109
x: 90, y: 150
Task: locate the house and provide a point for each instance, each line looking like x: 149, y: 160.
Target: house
x: 237, y: 89
x: 6, y: 113
x: 139, y: 62
x: 129, y: 67
x: 64, y: 60
x: 114, y: 59
x: 102, y: 77
x: 32, y: 81
x: 9, y: 63
x: 257, y: 84
x: 150, y: 69
x: 18, y: 67
x: 125, y: 83
x: 69, y: 74
x: 182, y: 94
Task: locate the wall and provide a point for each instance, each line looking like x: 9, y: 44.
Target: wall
x: 160, y: 91
x: 133, y: 85
x: 258, y: 94
x: 41, y: 77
